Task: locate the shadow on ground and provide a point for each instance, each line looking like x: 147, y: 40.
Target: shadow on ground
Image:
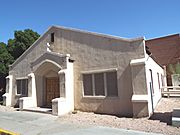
x: 162, y: 117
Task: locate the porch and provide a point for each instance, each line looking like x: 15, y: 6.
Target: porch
x: 170, y: 91
x: 49, y: 86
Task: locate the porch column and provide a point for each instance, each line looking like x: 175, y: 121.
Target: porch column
x: 65, y: 103
x: 7, y: 97
x: 33, y: 89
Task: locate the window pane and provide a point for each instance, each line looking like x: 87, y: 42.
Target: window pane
x: 99, y: 84
x: 111, y: 79
x: 24, y: 87
x: 7, y: 85
x: 18, y: 86
x: 152, y: 81
x: 87, y: 83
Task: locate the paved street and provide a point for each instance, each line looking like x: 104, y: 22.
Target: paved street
x: 29, y: 123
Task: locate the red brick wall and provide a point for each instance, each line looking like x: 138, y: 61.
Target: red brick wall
x: 166, y: 50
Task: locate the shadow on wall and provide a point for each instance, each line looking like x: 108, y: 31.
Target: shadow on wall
x: 162, y: 117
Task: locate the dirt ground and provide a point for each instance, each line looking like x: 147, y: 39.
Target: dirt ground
x: 160, y: 122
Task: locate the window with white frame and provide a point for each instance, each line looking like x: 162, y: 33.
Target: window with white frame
x: 22, y: 87
x: 100, y: 84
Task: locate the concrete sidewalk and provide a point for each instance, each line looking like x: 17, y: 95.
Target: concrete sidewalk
x: 30, y: 123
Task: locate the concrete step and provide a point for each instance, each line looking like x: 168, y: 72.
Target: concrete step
x: 39, y: 110
x: 176, y: 112
x: 176, y: 117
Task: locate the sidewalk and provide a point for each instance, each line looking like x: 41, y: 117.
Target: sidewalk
x: 29, y: 123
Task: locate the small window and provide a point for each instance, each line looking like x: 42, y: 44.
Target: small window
x: 22, y: 87
x: 162, y: 80
x: 152, y: 85
x: 7, y: 85
x: 52, y: 37
x: 158, y: 80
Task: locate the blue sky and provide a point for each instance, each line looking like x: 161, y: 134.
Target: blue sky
x: 124, y: 18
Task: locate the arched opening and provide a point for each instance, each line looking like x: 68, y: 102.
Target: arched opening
x: 47, y: 83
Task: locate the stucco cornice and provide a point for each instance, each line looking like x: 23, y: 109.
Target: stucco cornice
x: 100, y: 34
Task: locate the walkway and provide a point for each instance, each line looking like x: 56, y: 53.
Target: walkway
x: 30, y: 123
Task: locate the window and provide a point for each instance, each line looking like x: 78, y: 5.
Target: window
x: 7, y: 85
x: 162, y: 80
x: 100, y: 84
x: 112, y: 83
x: 52, y: 37
x: 22, y: 87
x: 152, y: 86
x: 158, y: 80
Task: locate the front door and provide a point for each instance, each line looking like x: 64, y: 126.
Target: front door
x: 52, y: 90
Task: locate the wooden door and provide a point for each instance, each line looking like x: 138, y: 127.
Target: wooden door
x: 52, y: 90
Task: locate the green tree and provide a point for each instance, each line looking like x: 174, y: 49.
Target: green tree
x: 22, y: 40
x: 174, y: 68
x: 10, y: 52
x: 5, y: 59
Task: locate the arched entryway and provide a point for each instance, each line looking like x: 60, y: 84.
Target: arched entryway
x: 47, y: 83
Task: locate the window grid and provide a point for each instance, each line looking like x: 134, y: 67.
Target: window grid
x: 94, y: 83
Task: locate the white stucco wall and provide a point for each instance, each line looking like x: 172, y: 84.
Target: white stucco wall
x: 151, y: 64
x: 65, y: 104
x: 8, y: 95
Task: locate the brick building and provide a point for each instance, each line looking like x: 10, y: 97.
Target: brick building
x: 165, y: 50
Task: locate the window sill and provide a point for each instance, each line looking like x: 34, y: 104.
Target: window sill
x: 100, y: 97
x: 94, y: 97
x: 20, y: 95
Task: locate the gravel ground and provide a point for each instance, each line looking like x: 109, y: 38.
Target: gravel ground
x: 6, y: 108
x: 158, y: 123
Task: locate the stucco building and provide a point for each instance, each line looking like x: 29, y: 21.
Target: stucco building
x: 69, y: 69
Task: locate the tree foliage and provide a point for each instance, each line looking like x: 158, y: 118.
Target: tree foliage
x: 14, y: 48
x: 5, y: 59
x: 174, y: 69
x: 22, y: 40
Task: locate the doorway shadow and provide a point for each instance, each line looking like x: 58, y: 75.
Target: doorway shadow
x: 162, y: 117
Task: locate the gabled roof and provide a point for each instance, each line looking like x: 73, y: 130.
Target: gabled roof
x: 75, y: 30
x: 99, y: 34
